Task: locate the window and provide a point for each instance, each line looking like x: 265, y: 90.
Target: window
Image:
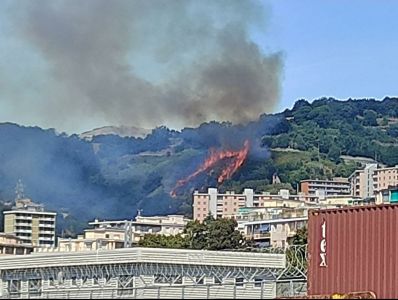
x: 200, y: 280
x: 84, y: 280
x: 167, y: 279
x: 14, y: 287
x: 125, y: 285
x: 239, y: 282
x: 257, y: 282
x: 52, y: 281
x: 34, y: 287
x: 74, y: 281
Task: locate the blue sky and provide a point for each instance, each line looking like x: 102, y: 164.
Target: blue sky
x: 335, y: 48
x: 341, y: 49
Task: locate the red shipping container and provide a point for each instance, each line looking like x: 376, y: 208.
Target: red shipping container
x: 353, y: 250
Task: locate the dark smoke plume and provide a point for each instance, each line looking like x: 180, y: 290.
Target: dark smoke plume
x: 151, y: 62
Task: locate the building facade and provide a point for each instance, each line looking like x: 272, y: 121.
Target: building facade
x: 324, y: 188
x: 135, y: 230
x: 31, y: 223
x: 361, y: 182
x: 384, y: 178
x: 387, y: 196
x: 142, y: 273
x: 273, y: 233
x: 227, y: 205
x: 93, y: 240
x: 10, y: 244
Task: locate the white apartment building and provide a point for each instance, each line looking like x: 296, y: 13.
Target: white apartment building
x: 29, y: 222
x: 371, y: 180
x: 361, y: 182
x: 135, y: 230
x: 93, y: 240
x: 273, y: 233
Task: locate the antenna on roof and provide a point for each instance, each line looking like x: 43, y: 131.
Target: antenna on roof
x: 139, y: 211
x: 19, y: 190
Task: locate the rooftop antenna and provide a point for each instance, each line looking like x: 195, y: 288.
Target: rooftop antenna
x: 139, y: 211
x: 19, y: 190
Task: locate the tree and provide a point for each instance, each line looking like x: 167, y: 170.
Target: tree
x: 384, y: 121
x: 221, y: 234
x: 369, y: 118
x: 301, y: 237
x: 163, y: 241
x: 334, y: 153
x: 195, y: 233
x: 212, y: 234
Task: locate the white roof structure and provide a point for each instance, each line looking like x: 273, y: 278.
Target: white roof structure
x: 145, y: 255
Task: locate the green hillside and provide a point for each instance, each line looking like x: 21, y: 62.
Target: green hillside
x: 316, y: 135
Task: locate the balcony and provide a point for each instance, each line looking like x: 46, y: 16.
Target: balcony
x: 45, y: 238
x: 24, y: 224
x: 47, y: 225
x: 23, y: 231
x: 49, y: 232
x: 47, y: 219
x: 259, y: 235
x: 23, y: 218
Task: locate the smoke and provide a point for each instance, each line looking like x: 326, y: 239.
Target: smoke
x: 147, y: 63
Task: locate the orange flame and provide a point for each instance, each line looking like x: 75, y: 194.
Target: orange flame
x: 238, y: 158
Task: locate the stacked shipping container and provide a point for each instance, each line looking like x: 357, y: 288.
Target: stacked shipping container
x: 354, y: 249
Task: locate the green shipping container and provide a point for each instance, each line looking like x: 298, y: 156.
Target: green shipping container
x: 394, y: 196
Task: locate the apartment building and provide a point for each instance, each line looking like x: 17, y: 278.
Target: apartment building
x: 93, y: 240
x: 361, y: 182
x: 324, y: 188
x: 29, y: 222
x: 227, y: 205
x: 384, y: 178
x: 342, y: 200
x: 387, y: 196
x: 135, y: 230
x: 273, y: 233
x: 10, y: 244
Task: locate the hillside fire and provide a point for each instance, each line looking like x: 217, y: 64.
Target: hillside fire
x: 234, y: 160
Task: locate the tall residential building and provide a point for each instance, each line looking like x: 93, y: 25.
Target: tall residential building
x: 337, y: 186
x: 226, y: 205
x: 385, y: 178
x: 361, y: 182
x: 29, y: 222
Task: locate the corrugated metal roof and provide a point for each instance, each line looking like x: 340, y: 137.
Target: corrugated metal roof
x: 145, y: 255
